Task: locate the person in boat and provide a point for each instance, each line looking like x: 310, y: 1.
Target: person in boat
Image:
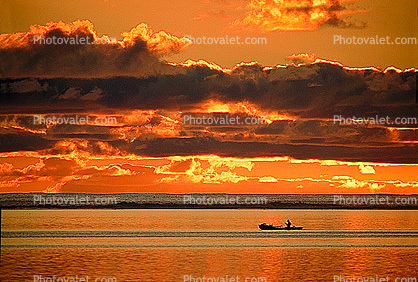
x: 288, y: 223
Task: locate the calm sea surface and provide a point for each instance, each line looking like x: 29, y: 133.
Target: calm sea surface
x: 184, y: 244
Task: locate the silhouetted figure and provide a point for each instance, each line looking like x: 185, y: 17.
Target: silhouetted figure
x: 288, y: 223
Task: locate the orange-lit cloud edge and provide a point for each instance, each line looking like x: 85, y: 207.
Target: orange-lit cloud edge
x: 307, y: 58
x: 158, y: 42
x: 284, y: 15
x: 203, y: 169
x: 161, y: 43
x: 147, y: 174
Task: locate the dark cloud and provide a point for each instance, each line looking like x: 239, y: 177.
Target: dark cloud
x: 148, y: 97
x: 203, y: 146
x: 312, y: 91
x: 42, y: 53
x: 346, y: 23
x: 23, y: 142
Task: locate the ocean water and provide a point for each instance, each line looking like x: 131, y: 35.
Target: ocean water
x: 211, y: 244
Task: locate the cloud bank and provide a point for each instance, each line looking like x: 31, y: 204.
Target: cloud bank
x: 138, y: 103
x: 285, y: 15
x: 137, y: 54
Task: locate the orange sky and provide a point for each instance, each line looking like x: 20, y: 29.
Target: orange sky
x: 202, y: 174
x: 214, y: 18
x: 152, y: 77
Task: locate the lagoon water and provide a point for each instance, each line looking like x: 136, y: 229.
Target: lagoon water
x: 187, y: 244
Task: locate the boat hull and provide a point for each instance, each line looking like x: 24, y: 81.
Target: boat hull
x: 272, y: 227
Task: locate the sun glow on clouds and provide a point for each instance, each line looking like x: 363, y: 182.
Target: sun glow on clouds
x: 82, y: 166
x: 208, y: 173
x: 125, y: 148
x: 159, y: 42
x: 143, y: 124
x: 211, y: 65
x: 137, y: 54
x: 287, y: 15
x: 212, y: 106
x: 299, y: 60
x: 311, y: 58
x: 366, y: 169
x: 216, y: 170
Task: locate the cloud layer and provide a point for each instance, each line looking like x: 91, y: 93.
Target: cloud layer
x: 286, y: 15
x: 34, y: 54
x: 304, y: 106
x: 136, y: 105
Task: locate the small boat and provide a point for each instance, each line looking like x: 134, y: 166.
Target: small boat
x: 264, y: 226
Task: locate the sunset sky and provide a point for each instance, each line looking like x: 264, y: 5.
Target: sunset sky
x: 143, y: 84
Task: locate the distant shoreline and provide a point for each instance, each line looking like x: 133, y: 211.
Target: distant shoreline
x: 42, y: 201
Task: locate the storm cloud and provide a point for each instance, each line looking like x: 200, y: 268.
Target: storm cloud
x: 143, y: 100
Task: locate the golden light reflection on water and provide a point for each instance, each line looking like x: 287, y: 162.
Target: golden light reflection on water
x: 205, y: 219
x: 166, y: 245
x: 171, y: 264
